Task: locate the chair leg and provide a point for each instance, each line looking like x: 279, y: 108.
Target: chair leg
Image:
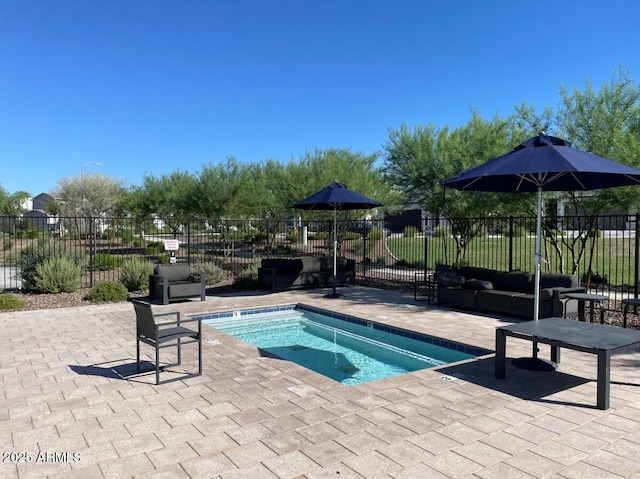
x: 179, y: 353
x: 157, y: 365
x: 137, y: 354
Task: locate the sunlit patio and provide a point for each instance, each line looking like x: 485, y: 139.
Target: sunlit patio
x: 73, y: 407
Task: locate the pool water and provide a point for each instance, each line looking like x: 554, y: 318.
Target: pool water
x: 346, y: 349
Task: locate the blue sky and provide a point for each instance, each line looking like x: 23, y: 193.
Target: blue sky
x: 154, y: 86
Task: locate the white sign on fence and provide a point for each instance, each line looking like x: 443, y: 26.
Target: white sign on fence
x: 428, y: 232
x: 171, y: 245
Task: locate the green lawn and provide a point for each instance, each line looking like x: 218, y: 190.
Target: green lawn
x: 613, y: 258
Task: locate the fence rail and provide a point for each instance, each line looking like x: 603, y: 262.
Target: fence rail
x: 606, y: 260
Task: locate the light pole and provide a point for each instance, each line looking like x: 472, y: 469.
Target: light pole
x: 97, y: 163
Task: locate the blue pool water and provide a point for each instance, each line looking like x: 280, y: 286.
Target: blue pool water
x: 344, y: 348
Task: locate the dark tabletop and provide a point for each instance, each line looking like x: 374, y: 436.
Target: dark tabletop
x: 587, y: 296
x: 579, y: 333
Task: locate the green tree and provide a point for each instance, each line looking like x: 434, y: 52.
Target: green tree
x: 89, y: 195
x: 12, y: 204
x: 168, y: 198
x: 605, y: 122
x: 418, y: 161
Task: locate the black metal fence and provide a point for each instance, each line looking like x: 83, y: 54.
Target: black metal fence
x: 386, y: 252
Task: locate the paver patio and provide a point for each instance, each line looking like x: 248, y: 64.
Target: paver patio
x: 66, y: 412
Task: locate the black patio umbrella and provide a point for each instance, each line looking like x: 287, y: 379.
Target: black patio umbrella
x: 336, y: 196
x: 544, y: 163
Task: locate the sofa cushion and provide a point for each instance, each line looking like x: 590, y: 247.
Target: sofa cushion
x: 306, y: 264
x: 550, y: 280
x: 477, y: 284
x: 450, y: 278
x: 182, y: 289
x: 495, y: 300
x: 174, y: 272
x: 519, y: 281
x: 471, y: 272
x: 280, y: 265
x: 326, y: 263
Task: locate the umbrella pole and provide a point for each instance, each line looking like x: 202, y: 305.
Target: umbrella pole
x: 335, y: 255
x: 534, y: 363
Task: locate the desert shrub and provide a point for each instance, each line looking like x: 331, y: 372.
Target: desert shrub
x: 212, y: 272
x: 248, y: 279
x: 125, y: 235
x: 441, y: 232
x: 135, y: 274
x: 108, y: 292
x: 7, y: 243
x: 410, y: 232
x: 30, y: 259
x: 375, y: 234
x: 164, y: 258
x: 58, y: 274
x: 106, y: 262
x: 9, y: 301
x: 351, y: 235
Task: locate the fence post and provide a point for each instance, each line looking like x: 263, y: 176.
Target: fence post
x: 189, y: 240
x: 510, y: 242
x: 92, y: 246
x: 635, y: 262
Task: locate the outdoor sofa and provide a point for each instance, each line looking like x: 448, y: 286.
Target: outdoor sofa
x: 510, y: 293
x: 280, y: 274
x: 176, y: 282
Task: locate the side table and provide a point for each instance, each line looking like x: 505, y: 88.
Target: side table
x: 635, y: 302
x: 582, y: 298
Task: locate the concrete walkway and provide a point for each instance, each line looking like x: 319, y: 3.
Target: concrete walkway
x: 69, y: 406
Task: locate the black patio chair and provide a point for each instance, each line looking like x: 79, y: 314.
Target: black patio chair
x: 164, y: 335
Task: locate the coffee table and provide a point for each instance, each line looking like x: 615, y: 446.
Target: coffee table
x: 598, y: 339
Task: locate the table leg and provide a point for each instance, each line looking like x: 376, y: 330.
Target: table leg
x: 604, y: 379
x: 624, y: 316
x: 500, y: 361
x: 555, y: 354
x: 591, y: 311
x: 581, y: 310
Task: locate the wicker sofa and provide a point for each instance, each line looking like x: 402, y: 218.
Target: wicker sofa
x: 510, y: 293
x: 280, y: 274
x: 176, y: 282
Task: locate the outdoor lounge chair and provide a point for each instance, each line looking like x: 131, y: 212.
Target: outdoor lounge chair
x: 164, y: 335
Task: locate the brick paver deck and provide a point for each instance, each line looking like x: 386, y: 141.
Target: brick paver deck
x: 65, y: 413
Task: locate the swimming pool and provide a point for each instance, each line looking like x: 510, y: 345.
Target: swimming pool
x: 344, y: 348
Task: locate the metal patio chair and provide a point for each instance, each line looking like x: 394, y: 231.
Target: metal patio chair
x: 163, y: 335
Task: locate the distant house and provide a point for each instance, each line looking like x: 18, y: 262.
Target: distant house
x: 37, y: 215
x: 41, y: 202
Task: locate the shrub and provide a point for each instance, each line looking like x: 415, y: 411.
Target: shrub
x: 30, y: 259
x: 375, y: 234
x: 135, y: 274
x: 106, y: 262
x: 7, y: 243
x: 351, y: 235
x: 213, y: 273
x: 10, y: 302
x: 58, y: 274
x: 410, y: 232
x: 248, y: 279
x: 108, y: 292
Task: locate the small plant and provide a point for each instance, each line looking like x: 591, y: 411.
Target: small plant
x: 108, y: 292
x: 351, y: 235
x: 212, y: 272
x: 376, y: 234
x: 248, y: 279
x: 135, y: 274
x: 58, y: 274
x: 30, y: 259
x: 9, y: 302
x: 410, y: 232
x: 7, y: 243
x: 106, y: 262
